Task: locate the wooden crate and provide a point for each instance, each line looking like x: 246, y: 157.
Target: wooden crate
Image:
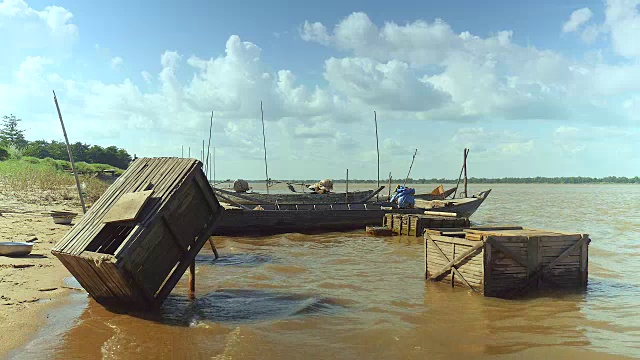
x: 137, y: 240
x: 415, y: 224
x: 506, y: 262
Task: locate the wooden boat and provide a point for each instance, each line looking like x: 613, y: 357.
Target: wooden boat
x: 297, y: 198
x: 464, y: 207
x: 284, y: 218
x: 251, y: 198
x: 281, y: 218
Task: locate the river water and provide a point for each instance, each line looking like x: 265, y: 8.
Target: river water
x: 352, y: 296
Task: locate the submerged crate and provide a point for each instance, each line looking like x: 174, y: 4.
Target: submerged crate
x: 415, y: 224
x: 134, y: 244
x: 507, y: 261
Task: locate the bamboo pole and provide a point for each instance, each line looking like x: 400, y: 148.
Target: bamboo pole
x: 389, y: 197
x: 214, y: 164
x: 466, y: 152
x: 264, y: 143
x: 209, y: 146
x: 375, y: 119
x: 346, y: 194
x: 202, y: 157
x: 410, y: 166
x: 189, y: 152
x: 73, y: 165
x: 182, y: 151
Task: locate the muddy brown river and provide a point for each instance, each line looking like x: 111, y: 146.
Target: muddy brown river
x: 353, y: 296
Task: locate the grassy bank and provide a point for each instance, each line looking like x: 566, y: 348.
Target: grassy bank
x: 45, y: 180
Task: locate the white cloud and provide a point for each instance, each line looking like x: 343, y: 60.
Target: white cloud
x: 26, y: 29
x: 146, y: 76
x: 577, y: 19
x: 623, y: 20
x: 473, y: 77
x: 390, y: 85
x: 116, y: 63
x: 314, y: 32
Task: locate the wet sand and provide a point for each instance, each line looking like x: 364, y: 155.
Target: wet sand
x: 29, y: 286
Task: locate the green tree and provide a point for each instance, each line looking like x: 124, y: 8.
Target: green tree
x: 10, y: 134
x: 38, y: 149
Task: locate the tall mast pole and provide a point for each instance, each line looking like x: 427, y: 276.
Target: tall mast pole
x: 264, y: 144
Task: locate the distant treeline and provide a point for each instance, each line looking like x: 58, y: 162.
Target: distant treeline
x: 505, y: 180
x: 57, y: 150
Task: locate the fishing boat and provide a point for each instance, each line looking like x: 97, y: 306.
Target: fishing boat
x: 298, y: 198
x: 240, y: 219
x: 283, y: 218
x: 463, y: 207
x: 252, y: 198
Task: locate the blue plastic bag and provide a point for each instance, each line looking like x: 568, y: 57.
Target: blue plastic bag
x: 404, y: 197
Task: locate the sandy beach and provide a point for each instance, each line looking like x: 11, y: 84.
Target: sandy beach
x: 29, y: 285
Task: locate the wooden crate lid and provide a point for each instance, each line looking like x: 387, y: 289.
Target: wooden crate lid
x: 128, y: 207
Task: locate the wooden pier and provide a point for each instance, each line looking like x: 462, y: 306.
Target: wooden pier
x: 506, y: 261
x: 136, y: 242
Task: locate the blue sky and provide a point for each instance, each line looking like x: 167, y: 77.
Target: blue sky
x: 533, y: 89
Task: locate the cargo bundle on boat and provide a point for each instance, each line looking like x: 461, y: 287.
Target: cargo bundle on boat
x: 135, y: 243
x: 506, y: 261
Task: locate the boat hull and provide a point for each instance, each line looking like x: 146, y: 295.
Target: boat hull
x: 241, y: 222
x: 300, y: 198
x: 464, y: 207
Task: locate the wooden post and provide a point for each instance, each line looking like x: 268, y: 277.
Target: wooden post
x: 189, y: 152
x: 73, y: 165
x: 192, y: 280
x: 466, y: 152
x: 264, y: 143
x: 389, y: 197
x: 375, y: 119
x: 213, y: 248
x: 346, y: 194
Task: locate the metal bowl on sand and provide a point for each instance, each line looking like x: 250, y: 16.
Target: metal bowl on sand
x: 62, y: 217
x: 15, y: 248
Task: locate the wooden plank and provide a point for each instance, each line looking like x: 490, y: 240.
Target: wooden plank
x: 127, y: 207
x: 441, y: 213
x: 173, y: 233
x: 584, y: 261
x: 506, y: 251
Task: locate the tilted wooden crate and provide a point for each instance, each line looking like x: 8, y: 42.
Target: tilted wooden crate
x: 505, y: 262
x: 137, y: 240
